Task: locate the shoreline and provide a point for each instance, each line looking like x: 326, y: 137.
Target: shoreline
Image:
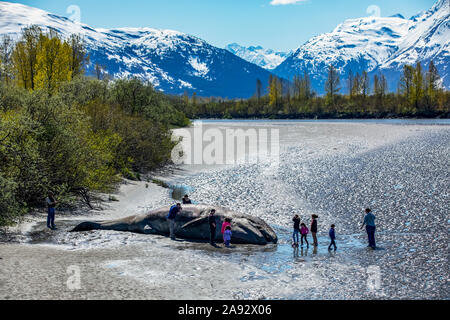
x: 444, y: 116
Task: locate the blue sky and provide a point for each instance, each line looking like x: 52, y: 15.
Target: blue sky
x: 276, y: 24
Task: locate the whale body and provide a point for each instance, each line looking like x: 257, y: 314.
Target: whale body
x: 191, y: 224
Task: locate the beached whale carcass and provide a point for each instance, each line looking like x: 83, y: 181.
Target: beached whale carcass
x: 191, y: 224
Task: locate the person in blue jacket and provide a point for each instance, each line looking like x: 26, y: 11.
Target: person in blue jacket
x: 333, y: 238
x: 174, y: 210
x: 369, y: 222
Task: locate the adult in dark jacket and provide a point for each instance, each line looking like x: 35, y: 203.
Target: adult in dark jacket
x: 212, y: 227
x: 174, y: 210
x: 332, y: 234
x: 295, y: 235
x: 314, y: 229
x: 369, y: 222
x: 186, y: 200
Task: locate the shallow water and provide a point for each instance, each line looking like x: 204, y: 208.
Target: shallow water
x: 335, y: 169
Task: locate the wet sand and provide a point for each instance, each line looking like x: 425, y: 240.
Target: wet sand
x: 332, y: 169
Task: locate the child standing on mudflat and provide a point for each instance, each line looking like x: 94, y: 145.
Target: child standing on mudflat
x: 304, y: 232
x: 333, y: 238
x: 225, y: 224
x: 227, y: 236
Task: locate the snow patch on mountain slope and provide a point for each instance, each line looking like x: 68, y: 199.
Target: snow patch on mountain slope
x: 200, y: 67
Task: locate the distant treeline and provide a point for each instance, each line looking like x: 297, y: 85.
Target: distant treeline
x: 419, y: 94
x: 61, y: 131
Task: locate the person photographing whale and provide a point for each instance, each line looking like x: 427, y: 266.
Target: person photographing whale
x: 51, y: 207
x: 186, y: 200
x: 174, y: 210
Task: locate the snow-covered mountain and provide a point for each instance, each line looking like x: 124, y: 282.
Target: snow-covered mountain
x: 375, y: 44
x: 428, y: 39
x: 265, y: 58
x: 174, y: 62
x: 357, y: 45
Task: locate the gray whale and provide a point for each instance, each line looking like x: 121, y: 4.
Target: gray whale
x: 191, y: 224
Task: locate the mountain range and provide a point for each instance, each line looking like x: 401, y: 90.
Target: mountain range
x: 178, y: 63
x: 172, y: 61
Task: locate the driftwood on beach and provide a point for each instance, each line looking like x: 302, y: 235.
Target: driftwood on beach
x: 191, y: 224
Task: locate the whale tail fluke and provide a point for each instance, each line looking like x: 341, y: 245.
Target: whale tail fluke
x: 86, y: 226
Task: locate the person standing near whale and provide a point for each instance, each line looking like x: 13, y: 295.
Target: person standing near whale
x: 186, y: 200
x: 212, y: 227
x: 174, y: 210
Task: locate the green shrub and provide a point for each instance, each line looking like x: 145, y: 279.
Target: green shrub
x: 11, y: 209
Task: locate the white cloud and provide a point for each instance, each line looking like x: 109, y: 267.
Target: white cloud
x: 284, y: 2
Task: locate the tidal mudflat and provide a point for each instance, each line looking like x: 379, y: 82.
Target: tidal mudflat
x: 334, y: 169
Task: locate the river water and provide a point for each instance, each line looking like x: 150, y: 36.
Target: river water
x: 399, y: 168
